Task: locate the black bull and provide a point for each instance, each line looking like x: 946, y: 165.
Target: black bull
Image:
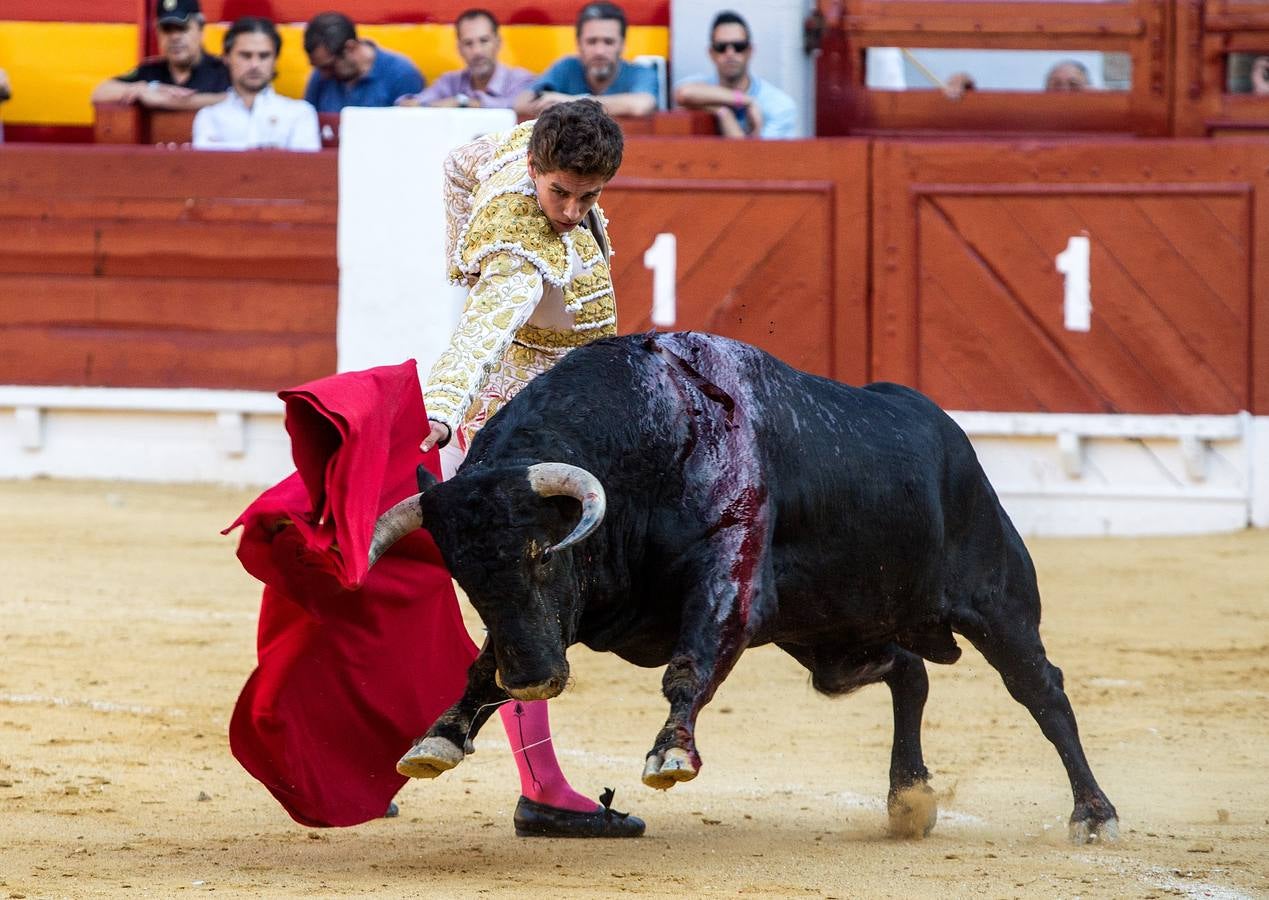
x: 747, y: 503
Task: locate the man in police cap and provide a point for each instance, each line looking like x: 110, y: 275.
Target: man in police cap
x: 182, y: 76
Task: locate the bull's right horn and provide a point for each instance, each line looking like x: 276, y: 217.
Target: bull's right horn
x: 395, y: 524
x: 563, y: 480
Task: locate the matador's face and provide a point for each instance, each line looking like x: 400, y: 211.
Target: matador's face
x: 565, y: 197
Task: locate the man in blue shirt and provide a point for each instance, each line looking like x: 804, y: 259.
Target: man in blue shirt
x: 598, y: 71
x: 352, y: 72
x: 743, y: 104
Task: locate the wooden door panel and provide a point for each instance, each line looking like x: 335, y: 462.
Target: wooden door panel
x: 1173, y: 277
x: 764, y: 275
x: 1164, y: 338
x: 998, y: 353
x: 772, y: 243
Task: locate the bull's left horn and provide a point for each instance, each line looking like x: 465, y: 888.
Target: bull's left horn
x: 563, y: 480
x: 395, y: 524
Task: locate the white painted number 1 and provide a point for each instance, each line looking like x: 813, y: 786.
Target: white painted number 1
x: 662, y: 259
x: 1077, y: 303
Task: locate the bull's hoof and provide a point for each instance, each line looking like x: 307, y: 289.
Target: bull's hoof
x: 913, y: 811
x: 664, y: 770
x: 1091, y: 831
x: 429, y: 758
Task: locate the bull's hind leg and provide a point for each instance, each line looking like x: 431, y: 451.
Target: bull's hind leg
x: 911, y: 803
x: 1007, y: 633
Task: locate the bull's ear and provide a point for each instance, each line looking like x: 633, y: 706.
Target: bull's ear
x: 424, y: 478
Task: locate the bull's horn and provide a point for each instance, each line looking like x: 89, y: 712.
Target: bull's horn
x: 563, y: 480
x: 395, y: 524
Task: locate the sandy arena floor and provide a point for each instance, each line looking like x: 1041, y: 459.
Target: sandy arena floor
x: 128, y: 629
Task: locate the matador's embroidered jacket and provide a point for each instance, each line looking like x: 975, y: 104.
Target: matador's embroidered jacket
x: 534, y: 294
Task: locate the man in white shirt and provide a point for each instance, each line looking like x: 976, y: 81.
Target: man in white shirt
x: 253, y: 115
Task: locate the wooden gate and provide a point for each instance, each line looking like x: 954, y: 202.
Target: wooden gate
x: 1141, y: 29
x: 1207, y: 34
x: 970, y: 305
x: 772, y: 245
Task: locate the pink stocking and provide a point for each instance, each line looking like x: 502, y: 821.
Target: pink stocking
x: 529, y: 730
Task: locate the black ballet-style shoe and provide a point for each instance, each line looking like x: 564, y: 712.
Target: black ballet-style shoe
x: 535, y: 819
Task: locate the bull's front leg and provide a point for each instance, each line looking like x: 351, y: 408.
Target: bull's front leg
x: 688, y: 685
x: 713, y: 636
x: 450, y: 737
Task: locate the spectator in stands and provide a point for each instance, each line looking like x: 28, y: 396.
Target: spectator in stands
x: 352, y: 71
x: 957, y: 84
x: 743, y: 104
x: 1259, y: 76
x: 254, y: 115
x: 485, y: 82
x: 182, y: 76
x: 1068, y: 76
x: 598, y: 71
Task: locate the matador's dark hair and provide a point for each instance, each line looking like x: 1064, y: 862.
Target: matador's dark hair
x: 577, y: 137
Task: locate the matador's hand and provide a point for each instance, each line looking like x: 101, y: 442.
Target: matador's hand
x: 439, y: 435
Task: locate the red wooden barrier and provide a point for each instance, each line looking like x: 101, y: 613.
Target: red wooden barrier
x: 929, y: 263
x: 969, y: 305
x: 135, y: 267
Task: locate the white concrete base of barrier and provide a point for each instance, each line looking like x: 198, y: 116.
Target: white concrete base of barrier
x: 1068, y: 474
x: 143, y: 434
x: 1055, y: 474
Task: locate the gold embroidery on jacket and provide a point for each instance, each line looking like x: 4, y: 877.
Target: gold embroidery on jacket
x: 506, y: 251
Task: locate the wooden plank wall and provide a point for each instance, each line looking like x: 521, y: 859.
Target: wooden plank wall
x: 136, y: 267
x: 930, y: 263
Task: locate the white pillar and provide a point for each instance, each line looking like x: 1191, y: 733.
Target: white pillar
x: 394, y: 301
x: 1258, y: 444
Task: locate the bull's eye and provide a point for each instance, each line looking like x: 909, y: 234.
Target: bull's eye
x: 539, y: 561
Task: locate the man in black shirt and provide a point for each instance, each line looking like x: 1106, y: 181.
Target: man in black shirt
x: 183, y: 76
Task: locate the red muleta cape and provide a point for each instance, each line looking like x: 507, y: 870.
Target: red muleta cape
x: 353, y: 666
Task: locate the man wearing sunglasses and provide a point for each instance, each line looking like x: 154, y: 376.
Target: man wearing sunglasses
x: 744, y: 105
x: 182, y: 76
